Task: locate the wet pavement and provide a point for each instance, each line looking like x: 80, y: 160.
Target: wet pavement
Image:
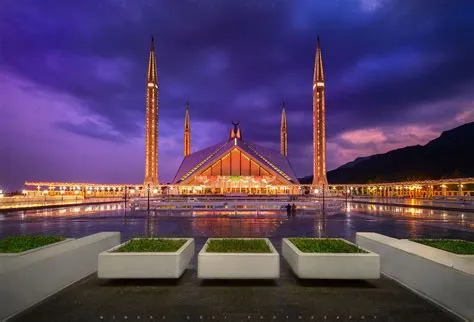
x: 338, y: 220
x: 189, y: 299
x: 441, y: 203
x: 286, y: 299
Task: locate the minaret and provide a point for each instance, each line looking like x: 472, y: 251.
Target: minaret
x: 151, y: 131
x: 283, y: 132
x: 187, y: 132
x: 319, y: 121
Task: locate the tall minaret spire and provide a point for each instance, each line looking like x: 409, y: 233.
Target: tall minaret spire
x: 151, y: 128
x: 283, y: 132
x: 319, y: 121
x: 187, y: 132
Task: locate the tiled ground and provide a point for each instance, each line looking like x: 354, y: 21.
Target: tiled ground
x: 189, y: 299
x: 287, y: 299
x: 335, y: 222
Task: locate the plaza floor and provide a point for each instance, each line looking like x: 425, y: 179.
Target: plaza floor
x: 190, y: 299
x: 285, y: 299
x: 338, y: 220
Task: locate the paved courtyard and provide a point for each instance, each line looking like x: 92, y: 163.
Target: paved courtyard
x: 189, y: 299
x: 286, y: 299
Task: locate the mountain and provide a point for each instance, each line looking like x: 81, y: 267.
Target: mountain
x: 449, y: 156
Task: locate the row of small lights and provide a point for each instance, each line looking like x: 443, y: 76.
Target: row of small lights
x: 90, y: 189
x: 400, y: 187
x: 77, y: 189
x: 271, y: 164
x: 201, y: 163
x: 380, y: 188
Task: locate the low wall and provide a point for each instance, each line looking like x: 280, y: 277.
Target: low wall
x: 239, y: 265
x: 6, y: 258
x: 28, y: 279
x: 424, y: 271
x: 145, y: 264
x: 331, y: 265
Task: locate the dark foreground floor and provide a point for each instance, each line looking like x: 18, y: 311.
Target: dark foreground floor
x: 189, y: 299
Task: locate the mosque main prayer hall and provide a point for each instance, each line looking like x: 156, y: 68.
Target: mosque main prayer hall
x: 234, y: 165
x: 231, y: 166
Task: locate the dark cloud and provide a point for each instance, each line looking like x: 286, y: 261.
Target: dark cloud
x: 90, y: 129
x: 385, y: 62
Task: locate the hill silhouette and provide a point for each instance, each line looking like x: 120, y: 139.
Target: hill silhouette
x: 449, y: 156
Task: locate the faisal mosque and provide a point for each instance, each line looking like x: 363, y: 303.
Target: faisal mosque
x: 234, y: 165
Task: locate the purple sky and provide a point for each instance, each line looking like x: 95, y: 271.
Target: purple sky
x: 72, y: 79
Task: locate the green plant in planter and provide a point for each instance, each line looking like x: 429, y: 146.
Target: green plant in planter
x: 238, y: 246
x: 456, y: 246
x: 152, y: 245
x: 324, y: 245
x: 18, y: 244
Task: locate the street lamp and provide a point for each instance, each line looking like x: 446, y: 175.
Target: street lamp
x: 148, y: 193
x: 45, y: 192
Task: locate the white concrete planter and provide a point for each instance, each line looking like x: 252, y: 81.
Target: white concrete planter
x: 463, y: 263
x: 331, y: 265
x: 26, y: 280
x: 7, y: 257
x: 239, y: 265
x: 427, y: 271
x: 145, y: 264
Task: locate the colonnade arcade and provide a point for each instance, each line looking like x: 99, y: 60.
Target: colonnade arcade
x: 250, y: 185
x: 255, y: 185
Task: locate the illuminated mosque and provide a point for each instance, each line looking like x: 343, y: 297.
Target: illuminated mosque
x: 235, y: 165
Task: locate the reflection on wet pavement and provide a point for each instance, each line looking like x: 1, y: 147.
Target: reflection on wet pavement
x: 338, y: 220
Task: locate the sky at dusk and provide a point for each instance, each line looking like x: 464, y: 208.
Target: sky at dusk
x: 73, y: 75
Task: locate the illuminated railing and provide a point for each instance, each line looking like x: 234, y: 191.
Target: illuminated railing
x: 29, y: 202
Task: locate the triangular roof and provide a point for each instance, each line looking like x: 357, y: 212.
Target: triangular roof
x: 200, y: 160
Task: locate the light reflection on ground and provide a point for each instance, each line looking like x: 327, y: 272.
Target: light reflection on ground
x: 462, y: 220
x: 339, y: 220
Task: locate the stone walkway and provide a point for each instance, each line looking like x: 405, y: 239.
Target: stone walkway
x: 286, y: 299
x: 190, y: 299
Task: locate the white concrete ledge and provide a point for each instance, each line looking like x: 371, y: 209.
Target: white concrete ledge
x: 463, y: 263
x: 145, y: 264
x: 26, y: 280
x: 425, y: 271
x: 7, y: 257
x: 238, y: 265
x: 331, y: 265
